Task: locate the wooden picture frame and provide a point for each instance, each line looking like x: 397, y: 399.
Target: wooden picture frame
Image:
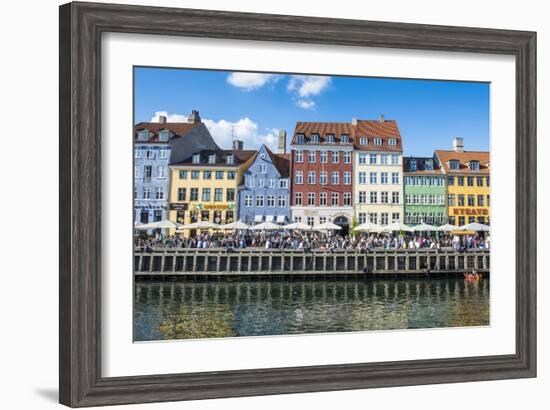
x: 81, y: 27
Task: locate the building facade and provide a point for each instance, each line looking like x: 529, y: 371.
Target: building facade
x: 378, y: 172
x: 425, y: 191
x: 322, y: 174
x: 204, y: 187
x: 156, y: 145
x: 265, y: 189
x: 468, y: 184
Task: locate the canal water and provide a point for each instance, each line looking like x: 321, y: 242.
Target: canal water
x: 179, y: 309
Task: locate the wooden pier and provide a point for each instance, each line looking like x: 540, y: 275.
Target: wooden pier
x: 219, y: 263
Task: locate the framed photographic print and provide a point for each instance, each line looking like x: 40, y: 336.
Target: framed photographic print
x: 261, y: 204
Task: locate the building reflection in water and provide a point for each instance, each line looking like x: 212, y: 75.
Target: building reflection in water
x: 193, y: 310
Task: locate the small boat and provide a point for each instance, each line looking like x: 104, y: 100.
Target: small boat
x: 473, y: 275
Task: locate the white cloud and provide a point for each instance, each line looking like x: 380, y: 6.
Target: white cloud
x: 244, y: 129
x: 308, y: 85
x: 250, y: 81
x: 169, y: 117
x: 306, y: 104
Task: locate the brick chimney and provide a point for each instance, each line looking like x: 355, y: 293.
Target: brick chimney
x: 162, y: 119
x: 194, y: 118
x: 282, y: 141
x: 458, y: 144
x: 237, y: 145
x: 382, y: 118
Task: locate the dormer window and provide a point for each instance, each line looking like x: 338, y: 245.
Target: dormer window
x: 454, y: 164
x: 344, y: 139
x: 212, y: 159
x: 143, y: 135
x: 164, y: 135
x: 196, y: 158
x: 300, y: 139
x: 363, y: 141
x: 474, y: 165
x: 378, y: 141
x: 315, y: 139
x: 392, y: 141
x: 229, y: 159
x: 330, y: 139
x: 412, y: 165
x: 428, y: 165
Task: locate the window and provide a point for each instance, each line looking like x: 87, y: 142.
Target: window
x: 416, y: 199
x: 474, y: 165
x: 335, y: 178
x: 480, y: 200
x: 451, y: 200
x: 300, y: 139
x: 451, y: 181
x: 454, y: 164
x: 488, y: 182
x: 299, y: 177
x: 362, y: 217
x: 335, y: 157
x: 424, y: 199
x: 362, y: 197
x: 206, y: 194
x: 374, y: 197
x: 195, y: 174
x: 362, y: 178
x: 219, y: 174
x: 384, y: 218
x: 231, y: 175
x: 394, y: 159
x: 362, y: 158
x: 347, y: 178
x: 283, y: 183
x: 470, y: 181
x: 263, y: 169
x: 373, y: 178
x: 330, y: 139
x: 196, y: 158
x: 250, y: 181
x: 488, y: 200
x: 314, y: 139
x: 271, y: 201
x: 460, y: 181
x: 441, y: 200
x: 323, y: 177
x: 311, y: 177
x: 298, y: 198
x: 373, y: 218
x: 137, y: 153
x: 395, y: 197
x: 135, y: 193
x: 230, y: 194
x: 136, y: 172
x: 392, y: 141
x: 310, y: 220
x: 149, y: 154
x: 384, y: 197
x: 143, y: 135
x: 282, y: 201
x: 378, y: 141
x: 372, y: 158
x: 471, y: 200
x: 384, y: 159
x: 395, y: 178
x: 344, y: 139
x: 272, y: 182
x: 311, y: 157
x: 182, y: 194
x: 163, y: 154
x: 261, y: 183
x: 323, y: 157
x: 148, y: 172
x: 432, y: 199
x: 363, y: 141
x: 428, y: 165
x: 408, y: 199
x: 212, y: 159
x: 335, y: 199
x: 383, y: 177
x: 299, y: 155
x: 479, y: 181
x: 347, y: 198
x: 248, y: 201
x: 259, y: 201
x: 229, y: 159
x: 206, y: 174
x: 423, y: 181
x: 311, y: 198
x: 164, y: 135
x: 323, y: 199
x: 460, y: 200
x: 347, y: 157
x: 194, y: 194
x: 146, y: 193
x: 218, y: 194
x: 412, y: 165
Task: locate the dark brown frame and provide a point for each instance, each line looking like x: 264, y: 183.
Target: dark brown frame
x: 81, y: 27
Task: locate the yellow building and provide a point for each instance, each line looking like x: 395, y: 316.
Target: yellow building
x: 204, y: 187
x: 468, y: 184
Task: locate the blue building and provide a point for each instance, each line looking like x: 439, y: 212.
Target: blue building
x: 264, y: 193
x: 156, y: 145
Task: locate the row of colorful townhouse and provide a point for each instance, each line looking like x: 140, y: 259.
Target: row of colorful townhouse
x: 346, y: 173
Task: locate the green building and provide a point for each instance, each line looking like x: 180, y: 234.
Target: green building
x: 425, y: 191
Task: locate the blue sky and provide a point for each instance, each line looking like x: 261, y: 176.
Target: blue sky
x: 253, y: 106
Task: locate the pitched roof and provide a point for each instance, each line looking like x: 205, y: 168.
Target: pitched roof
x: 464, y: 158
x: 240, y: 157
x: 421, y: 166
x: 281, y: 162
x: 177, y: 128
x: 370, y: 129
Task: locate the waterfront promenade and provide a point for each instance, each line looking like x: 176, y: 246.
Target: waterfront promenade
x: 255, y: 262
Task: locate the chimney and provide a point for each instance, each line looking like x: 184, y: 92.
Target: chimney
x: 162, y: 119
x: 458, y: 144
x: 382, y: 118
x: 354, y: 121
x: 282, y: 141
x: 237, y: 145
x: 194, y: 118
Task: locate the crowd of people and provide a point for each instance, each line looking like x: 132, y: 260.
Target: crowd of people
x: 308, y: 241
